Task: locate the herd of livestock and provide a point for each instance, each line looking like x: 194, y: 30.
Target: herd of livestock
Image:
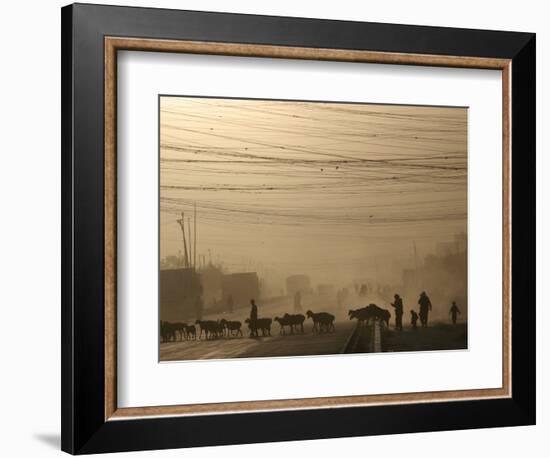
x: 370, y: 313
x: 323, y: 322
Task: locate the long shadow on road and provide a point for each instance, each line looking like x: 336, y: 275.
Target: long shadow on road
x: 438, y: 336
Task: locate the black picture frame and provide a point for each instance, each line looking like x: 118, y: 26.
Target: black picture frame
x: 84, y: 429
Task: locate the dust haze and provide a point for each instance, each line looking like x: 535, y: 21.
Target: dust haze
x: 355, y: 201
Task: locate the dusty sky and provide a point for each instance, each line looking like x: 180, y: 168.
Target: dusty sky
x: 329, y: 189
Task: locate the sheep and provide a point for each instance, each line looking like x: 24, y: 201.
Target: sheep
x: 232, y: 327
x: 292, y: 321
x: 362, y: 315
x: 380, y: 314
x: 202, y: 328
x: 370, y: 312
x: 170, y: 331
x: 321, y: 320
x: 209, y: 327
x: 284, y: 321
x: 167, y: 331
x: 297, y: 320
x: 180, y: 329
x: 218, y: 329
x: 191, y: 332
x: 263, y: 324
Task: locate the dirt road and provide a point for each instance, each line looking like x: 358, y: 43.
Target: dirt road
x: 308, y: 343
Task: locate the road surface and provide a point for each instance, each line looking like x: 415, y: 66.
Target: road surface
x: 277, y: 345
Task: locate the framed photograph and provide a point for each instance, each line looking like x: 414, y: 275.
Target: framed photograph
x: 270, y: 222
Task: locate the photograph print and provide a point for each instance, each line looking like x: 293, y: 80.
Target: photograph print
x: 299, y: 228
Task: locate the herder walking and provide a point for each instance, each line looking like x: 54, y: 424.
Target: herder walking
x: 253, y: 318
x: 425, y: 308
x: 398, y: 306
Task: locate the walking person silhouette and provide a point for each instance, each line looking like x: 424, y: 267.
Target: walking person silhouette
x: 253, y: 318
x: 425, y: 308
x: 414, y: 319
x: 453, y: 312
x: 398, y: 306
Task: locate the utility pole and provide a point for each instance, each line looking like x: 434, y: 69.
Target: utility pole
x: 195, y: 238
x: 190, y: 242
x: 181, y: 222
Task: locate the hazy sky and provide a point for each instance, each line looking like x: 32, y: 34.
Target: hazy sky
x: 327, y: 189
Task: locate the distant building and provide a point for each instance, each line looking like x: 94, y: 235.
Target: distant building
x: 410, y: 278
x: 241, y: 287
x: 180, y: 292
x: 211, y: 280
x: 458, y: 245
x: 461, y: 241
x: 297, y: 283
x: 326, y: 290
x: 445, y: 248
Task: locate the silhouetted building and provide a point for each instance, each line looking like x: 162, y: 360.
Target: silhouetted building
x: 180, y: 290
x: 410, y: 279
x: 241, y: 287
x: 211, y: 280
x: 444, y: 276
x: 457, y: 245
